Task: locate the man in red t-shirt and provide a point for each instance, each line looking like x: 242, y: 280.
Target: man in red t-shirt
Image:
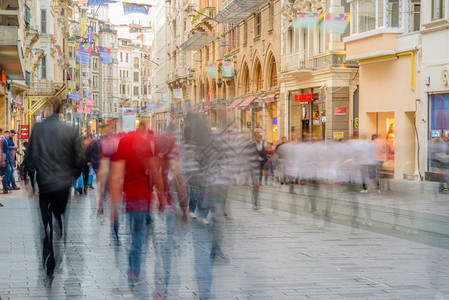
x: 134, y: 171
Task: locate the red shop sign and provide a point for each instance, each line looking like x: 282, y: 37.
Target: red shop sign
x: 3, y: 77
x: 339, y: 111
x: 304, y: 97
x: 24, y: 131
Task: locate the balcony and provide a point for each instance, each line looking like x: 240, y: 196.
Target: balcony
x: 11, y: 55
x: 304, y: 62
x: 234, y: 11
x: 46, y: 88
x: 204, y: 15
x: 9, y: 15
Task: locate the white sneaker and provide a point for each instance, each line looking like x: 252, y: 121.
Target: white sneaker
x: 204, y: 221
x: 364, y: 192
x: 192, y: 215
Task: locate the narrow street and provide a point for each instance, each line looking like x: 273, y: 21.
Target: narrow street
x: 273, y: 256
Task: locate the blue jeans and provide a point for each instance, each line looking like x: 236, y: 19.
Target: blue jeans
x: 6, y: 173
x: 138, y: 225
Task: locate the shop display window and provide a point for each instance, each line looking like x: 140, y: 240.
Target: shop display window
x: 439, y: 133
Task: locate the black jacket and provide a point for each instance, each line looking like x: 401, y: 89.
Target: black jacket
x: 56, y: 154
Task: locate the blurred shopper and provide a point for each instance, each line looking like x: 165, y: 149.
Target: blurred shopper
x: 281, y: 159
x: 165, y: 243
x: 28, y: 173
x: 57, y: 157
x: 269, y: 164
x: 5, y: 162
x: 258, y: 156
x: 109, y: 144
x: 13, y: 161
x: 134, y: 170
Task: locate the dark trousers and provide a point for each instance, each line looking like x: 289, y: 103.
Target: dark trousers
x: 6, y: 173
x: 86, y: 176
x: 52, y: 204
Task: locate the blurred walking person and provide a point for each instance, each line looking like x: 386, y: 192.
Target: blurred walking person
x: 57, y: 157
x: 4, y: 163
x: 134, y: 170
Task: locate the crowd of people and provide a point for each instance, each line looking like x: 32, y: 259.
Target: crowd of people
x: 183, y: 175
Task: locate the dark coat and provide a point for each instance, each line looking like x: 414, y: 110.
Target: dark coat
x: 56, y: 155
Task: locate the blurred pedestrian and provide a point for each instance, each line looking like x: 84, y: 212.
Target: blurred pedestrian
x: 57, y: 157
x: 134, y: 171
x: 5, y: 162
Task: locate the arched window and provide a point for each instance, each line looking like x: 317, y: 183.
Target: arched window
x: 245, y: 79
x: 258, y: 77
x: 273, y: 75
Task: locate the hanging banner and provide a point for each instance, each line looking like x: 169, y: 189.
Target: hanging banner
x: 336, y: 23
x: 87, y: 94
x: 90, y: 30
x: 83, y: 26
x: 100, y: 2
x: 80, y: 109
x: 165, y: 97
x: 89, y: 102
x: 227, y: 69
x: 307, y: 19
x: 177, y: 93
x: 105, y: 55
x: 82, y: 53
x: 75, y: 95
x: 212, y: 69
x: 138, y: 8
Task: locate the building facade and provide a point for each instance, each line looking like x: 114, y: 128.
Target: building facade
x: 385, y: 41
x: 433, y: 101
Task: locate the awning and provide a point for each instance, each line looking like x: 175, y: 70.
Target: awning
x: 269, y: 99
x: 245, y: 104
x: 198, y: 41
x: 234, y: 104
x: 207, y: 108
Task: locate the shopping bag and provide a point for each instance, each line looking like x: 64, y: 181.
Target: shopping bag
x: 79, y: 183
x: 90, y: 179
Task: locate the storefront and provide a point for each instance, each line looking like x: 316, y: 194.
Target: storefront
x: 438, y: 152
x: 307, y: 115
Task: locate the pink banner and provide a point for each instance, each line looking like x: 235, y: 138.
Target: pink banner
x: 89, y: 102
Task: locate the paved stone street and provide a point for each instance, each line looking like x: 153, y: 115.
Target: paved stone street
x: 273, y: 256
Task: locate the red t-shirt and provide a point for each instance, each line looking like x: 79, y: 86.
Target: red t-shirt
x: 135, y: 149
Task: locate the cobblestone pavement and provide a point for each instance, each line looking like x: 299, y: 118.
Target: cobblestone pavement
x: 273, y: 256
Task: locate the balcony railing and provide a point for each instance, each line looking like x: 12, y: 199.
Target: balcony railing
x: 303, y: 61
x: 205, y: 13
x: 45, y: 88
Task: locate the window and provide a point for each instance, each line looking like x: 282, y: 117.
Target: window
x: 270, y: 16
x: 95, y: 81
x: 245, y: 33
x: 371, y: 14
x: 145, y: 90
x: 121, y: 57
x: 438, y: 8
x: 44, y: 21
x: 415, y: 15
x: 136, y: 76
x: 394, y: 16
x: 127, y: 57
x: 44, y: 67
x: 95, y: 64
x: 136, y: 62
x: 258, y: 77
x: 274, y: 74
x: 136, y: 91
x: 257, y: 24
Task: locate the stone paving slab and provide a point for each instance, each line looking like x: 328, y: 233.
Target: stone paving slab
x: 273, y: 256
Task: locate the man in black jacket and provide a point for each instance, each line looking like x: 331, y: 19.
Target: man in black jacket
x: 57, y: 157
